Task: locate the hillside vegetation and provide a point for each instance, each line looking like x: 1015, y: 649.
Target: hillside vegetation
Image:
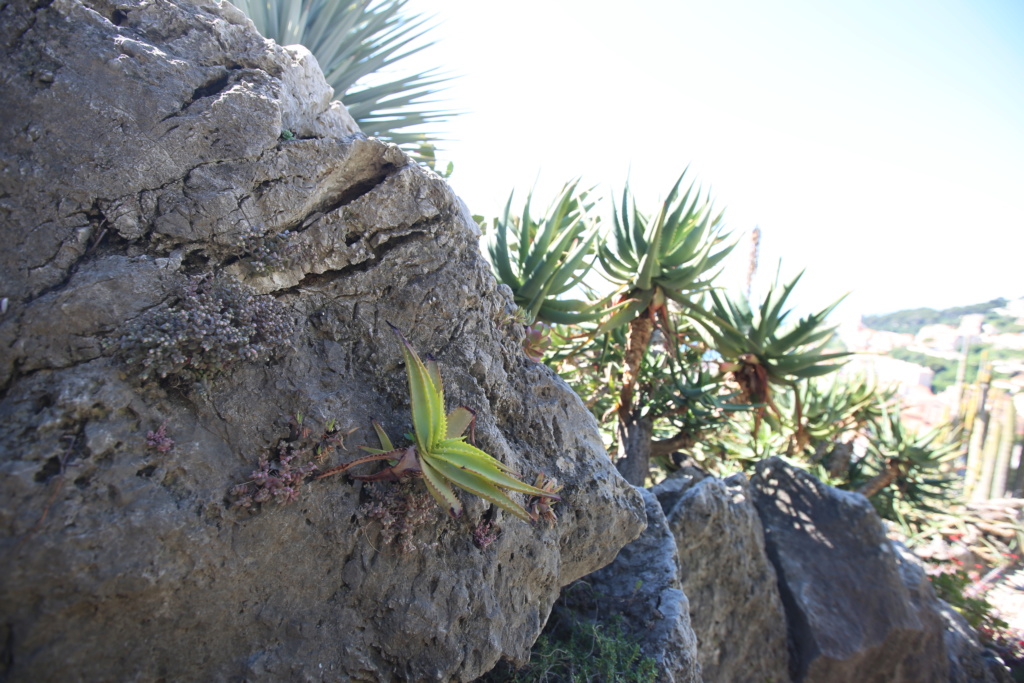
x: 911, y: 320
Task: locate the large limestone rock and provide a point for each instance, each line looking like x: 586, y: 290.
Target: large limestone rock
x: 735, y: 607
x: 858, y: 609
x: 142, y: 174
x: 643, y: 586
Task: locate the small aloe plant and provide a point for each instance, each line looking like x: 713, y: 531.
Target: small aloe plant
x: 441, y: 456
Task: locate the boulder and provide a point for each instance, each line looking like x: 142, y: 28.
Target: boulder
x: 858, y: 609
x: 969, y: 660
x: 735, y: 608
x: 671, y: 489
x: 195, y: 313
x: 642, y: 586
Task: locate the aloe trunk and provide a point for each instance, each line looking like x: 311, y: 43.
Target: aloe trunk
x: 634, y: 433
x: 881, y: 480
x: 635, y: 437
x: 640, y: 330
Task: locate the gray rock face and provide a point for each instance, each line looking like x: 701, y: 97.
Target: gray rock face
x: 642, y: 585
x: 142, y: 168
x: 969, y: 661
x: 735, y: 607
x: 672, y: 488
x: 857, y: 609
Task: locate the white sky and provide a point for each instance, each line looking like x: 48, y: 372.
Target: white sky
x: 879, y: 143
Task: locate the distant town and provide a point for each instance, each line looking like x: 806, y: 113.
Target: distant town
x: 933, y: 356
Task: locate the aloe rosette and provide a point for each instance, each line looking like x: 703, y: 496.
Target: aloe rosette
x: 672, y: 256
x: 785, y: 353
x: 545, y: 258
x: 760, y: 352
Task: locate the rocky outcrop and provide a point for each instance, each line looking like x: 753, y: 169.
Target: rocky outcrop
x: 857, y: 609
x: 642, y: 586
x: 735, y: 607
x: 189, y: 298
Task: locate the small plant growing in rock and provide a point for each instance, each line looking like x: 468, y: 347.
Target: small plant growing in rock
x: 267, y: 252
x: 280, y: 479
x: 400, y: 511
x: 158, y: 440
x: 440, y: 454
x: 273, y: 481
x: 516, y: 317
x: 484, y: 534
x: 537, y: 342
x: 214, y: 325
x: 542, y: 507
x: 582, y: 650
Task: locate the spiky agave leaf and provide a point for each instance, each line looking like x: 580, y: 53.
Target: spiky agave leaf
x: 353, y: 41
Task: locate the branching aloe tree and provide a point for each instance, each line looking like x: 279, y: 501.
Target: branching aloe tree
x: 353, y: 41
x: 672, y: 256
x: 638, y: 354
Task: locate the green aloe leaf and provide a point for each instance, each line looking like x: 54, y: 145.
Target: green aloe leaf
x: 441, y: 490
x: 470, y: 458
x: 479, y: 486
x: 459, y: 420
x: 426, y: 399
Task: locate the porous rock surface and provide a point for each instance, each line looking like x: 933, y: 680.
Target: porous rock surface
x: 642, y: 586
x: 143, y: 153
x: 858, y: 609
x: 735, y: 608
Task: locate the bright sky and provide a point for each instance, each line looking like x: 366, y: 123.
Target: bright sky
x: 879, y: 144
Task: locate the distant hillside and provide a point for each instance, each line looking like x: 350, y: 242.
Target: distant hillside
x: 912, y: 320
